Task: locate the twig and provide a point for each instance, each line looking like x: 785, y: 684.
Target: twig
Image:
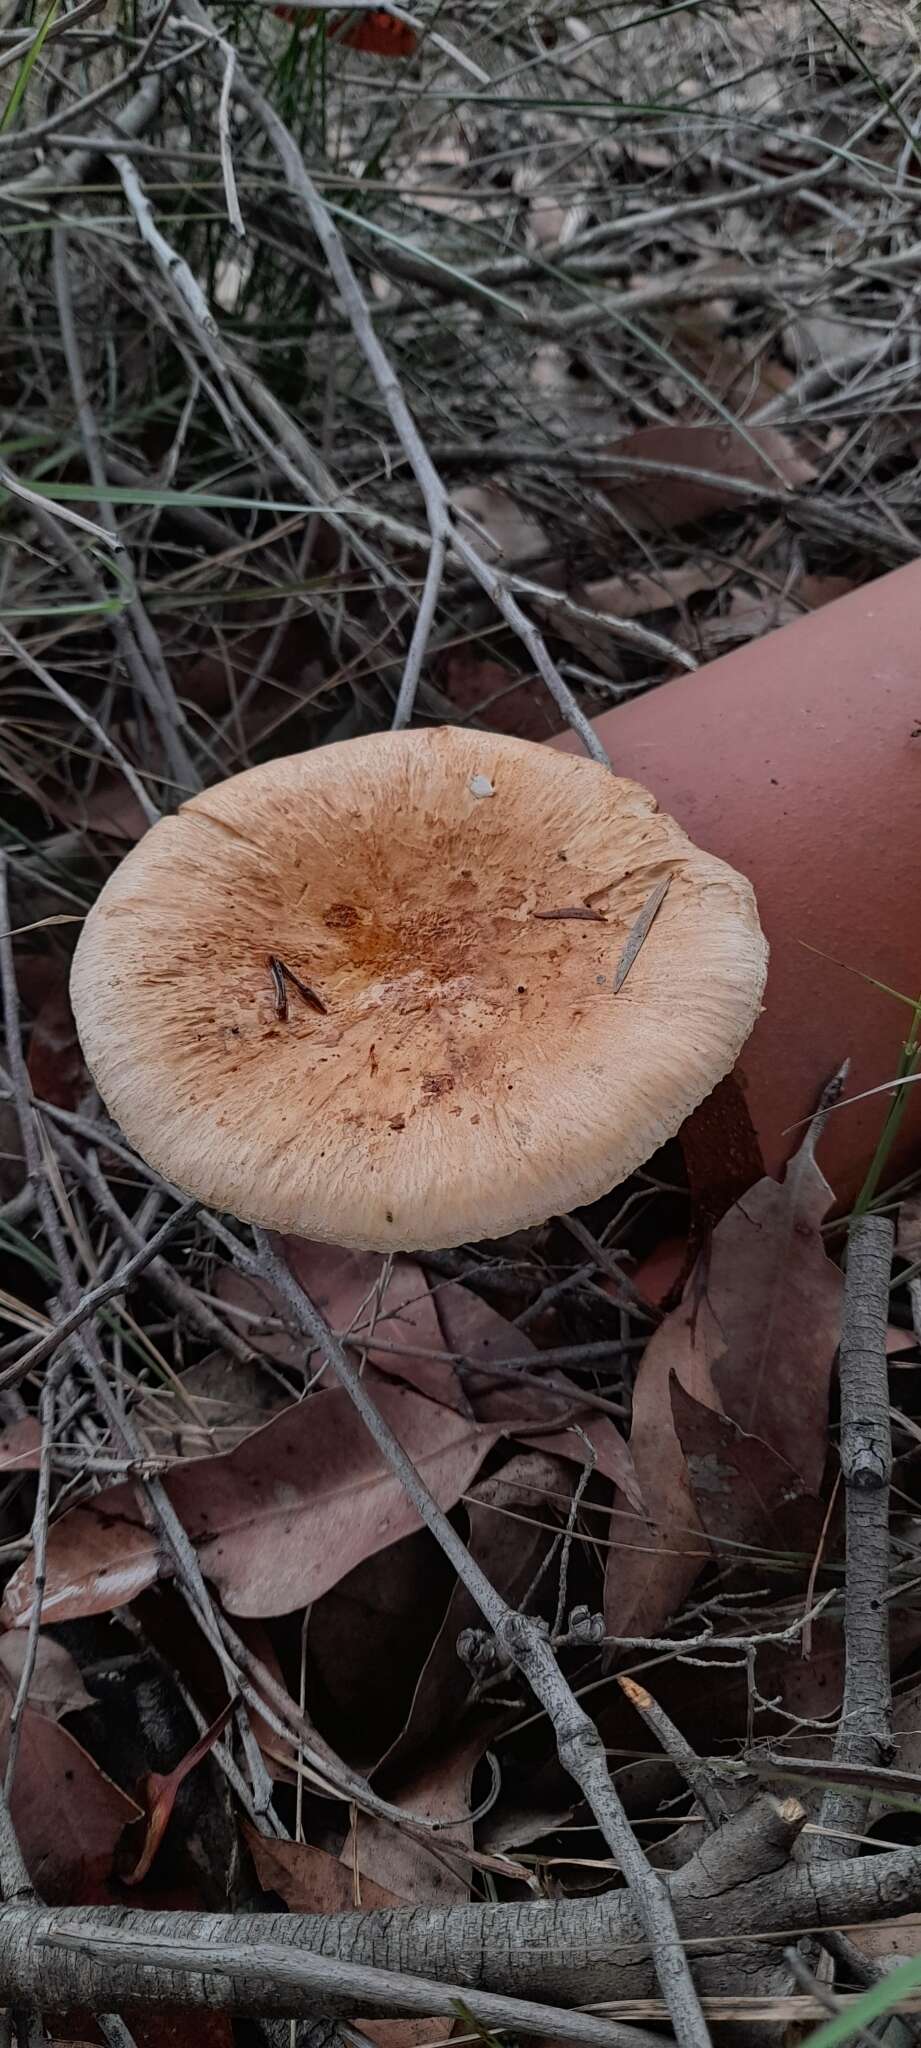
x: 56, y: 28
x: 15, y: 1882
x: 428, y: 602
x: 521, y: 1639
x: 234, y: 215
x: 79, y: 711
x: 701, y: 1780
x: 95, y: 1298
x: 443, y: 529
x: 174, y: 267
x: 175, y: 1291
x: 134, y: 634
x: 740, y: 1883
x: 47, y: 1411
x: 11, y: 483
x: 864, y: 1730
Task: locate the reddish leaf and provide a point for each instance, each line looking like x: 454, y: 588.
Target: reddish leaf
x: 56, y: 1069
x: 309, y: 1880
x: 421, y: 1868
x: 159, y: 1793
x: 737, y: 1481
x: 67, y: 1814
x: 110, y: 808
x: 777, y: 1299
x: 659, y: 1273
x: 484, y: 1337
x: 375, y: 32
x: 754, y: 1336
x: 21, y: 1446
x: 346, y: 1287
x: 661, y: 502
x: 654, y: 1559
x: 56, y: 1686
x: 276, y: 1521
x: 517, y: 705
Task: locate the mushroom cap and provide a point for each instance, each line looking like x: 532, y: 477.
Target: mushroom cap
x: 438, y: 1053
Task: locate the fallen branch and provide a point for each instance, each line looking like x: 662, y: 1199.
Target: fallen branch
x: 735, y: 1891
x: 864, y: 1730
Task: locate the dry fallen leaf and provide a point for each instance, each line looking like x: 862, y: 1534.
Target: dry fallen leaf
x: 21, y: 1446
x: 755, y: 1336
x: 67, y: 1814
x: 633, y: 597
x: 56, y: 1067
x: 56, y: 1686
x: 310, y: 1880
x: 484, y: 1338
x: 159, y: 1793
x: 348, y: 1288
x: 276, y: 1521
x: 424, y: 1869
x: 224, y: 1400
x: 656, y: 502
x: 738, y: 1481
x: 511, y: 534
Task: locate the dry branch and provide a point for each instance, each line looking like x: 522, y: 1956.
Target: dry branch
x: 864, y: 1731
x: 728, y: 1899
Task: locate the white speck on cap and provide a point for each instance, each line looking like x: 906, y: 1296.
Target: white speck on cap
x: 480, y: 785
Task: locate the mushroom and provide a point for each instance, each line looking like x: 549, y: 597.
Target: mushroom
x: 376, y: 993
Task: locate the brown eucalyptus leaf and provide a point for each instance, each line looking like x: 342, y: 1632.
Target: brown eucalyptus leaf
x: 737, y: 1480
x: 67, y: 1814
x: 355, y: 1294
x: 423, y: 1869
x: 512, y: 1518
x: 56, y: 1686
x: 657, y: 502
x: 276, y: 1521
x: 310, y: 1880
x: 485, y: 1338
x: 755, y: 1337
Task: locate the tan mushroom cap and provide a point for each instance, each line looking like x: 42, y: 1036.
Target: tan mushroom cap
x: 471, y: 1070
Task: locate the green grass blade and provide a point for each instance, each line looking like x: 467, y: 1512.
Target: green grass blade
x: 32, y: 54
x: 882, y: 1998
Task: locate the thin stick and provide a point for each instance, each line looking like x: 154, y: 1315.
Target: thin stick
x: 64, y: 513
x: 47, y: 1412
x: 700, y: 1778
x: 234, y: 215
x: 442, y: 526
x: 79, y: 711
x: 95, y: 1298
x: 864, y: 1731
x: 521, y: 1640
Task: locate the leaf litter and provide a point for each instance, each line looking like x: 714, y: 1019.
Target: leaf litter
x: 303, y: 1536
x: 719, y: 1496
